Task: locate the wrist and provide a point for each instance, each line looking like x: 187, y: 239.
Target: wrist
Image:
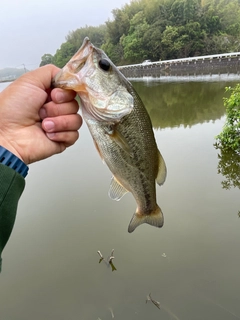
x: 9, y: 146
x: 10, y: 160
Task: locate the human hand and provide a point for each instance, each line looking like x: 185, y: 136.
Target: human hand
x: 36, y: 121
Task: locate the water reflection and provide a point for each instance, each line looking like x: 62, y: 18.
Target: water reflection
x: 175, y: 104
x: 191, y: 266
x: 229, y: 168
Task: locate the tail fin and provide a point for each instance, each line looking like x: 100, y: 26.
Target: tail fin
x: 154, y: 218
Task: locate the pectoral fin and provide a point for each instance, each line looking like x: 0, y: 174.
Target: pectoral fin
x: 118, y: 138
x: 162, y: 170
x: 116, y: 191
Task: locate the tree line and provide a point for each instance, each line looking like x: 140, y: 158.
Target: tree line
x: 159, y: 30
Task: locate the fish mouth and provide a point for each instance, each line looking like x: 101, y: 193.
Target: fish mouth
x: 68, y: 77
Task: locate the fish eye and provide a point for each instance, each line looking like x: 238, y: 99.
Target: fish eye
x: 104, y: 64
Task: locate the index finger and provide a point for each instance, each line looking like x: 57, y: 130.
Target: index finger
x: 60, y: 95
x: 42, y: 77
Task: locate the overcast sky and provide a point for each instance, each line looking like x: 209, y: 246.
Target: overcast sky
x: 31, y: 28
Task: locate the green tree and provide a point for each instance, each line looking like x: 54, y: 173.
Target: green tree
x: 192, y: 37
x: 64, y: 54
x: 46, y: 59
x: 119, y: 26
x: 115, y: 52
x: 161, y: 29
x: 74, y: 40
x: 152, y: 39
x: 192, y: 11
x: 229, y: 138
x: 210, y: 20
x: 177, y: 13
x: 171, y: 42
x: 135, y: 49
x: 95, y: 34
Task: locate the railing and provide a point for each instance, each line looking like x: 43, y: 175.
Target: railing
x: 209, y: 64
x: 218, y: 57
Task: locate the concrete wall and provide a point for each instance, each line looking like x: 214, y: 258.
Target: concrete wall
x: 184, y: 66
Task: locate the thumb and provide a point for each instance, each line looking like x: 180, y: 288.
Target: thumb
x: 42, y: 76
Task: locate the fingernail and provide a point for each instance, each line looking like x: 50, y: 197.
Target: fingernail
x: 50, y: 135
x: 59, y: 96
x: 48, y: 125
x: 42, y: 113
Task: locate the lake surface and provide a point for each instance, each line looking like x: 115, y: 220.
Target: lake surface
x: 51, y: 268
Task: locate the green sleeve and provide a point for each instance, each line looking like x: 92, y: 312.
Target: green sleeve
x: 11, y: 187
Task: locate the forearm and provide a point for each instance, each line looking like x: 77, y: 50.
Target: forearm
x: 11, y: 187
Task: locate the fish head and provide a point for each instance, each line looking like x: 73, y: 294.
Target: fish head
x: 103, y: 90
x: 68, y: 78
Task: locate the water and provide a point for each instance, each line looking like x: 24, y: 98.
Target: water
x: 51, y: 268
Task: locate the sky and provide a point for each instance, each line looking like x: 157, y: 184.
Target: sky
x: 31, y: 28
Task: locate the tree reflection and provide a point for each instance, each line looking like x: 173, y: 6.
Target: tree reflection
x: 182, y: 103
x: 229, y: 168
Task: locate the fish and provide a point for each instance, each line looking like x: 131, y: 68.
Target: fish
x: 121, y: 130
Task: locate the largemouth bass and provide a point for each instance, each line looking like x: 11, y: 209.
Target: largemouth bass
x: 120, y: 127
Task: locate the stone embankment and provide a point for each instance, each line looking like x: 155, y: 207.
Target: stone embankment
x: 221, y: 63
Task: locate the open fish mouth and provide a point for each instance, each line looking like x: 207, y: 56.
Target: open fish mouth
x: 68, y: 77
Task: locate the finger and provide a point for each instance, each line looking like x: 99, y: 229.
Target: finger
x: 41, y: 77
x: 67, y: 138
x: 51, y: 109
x: 59, y: 95
x: 70, y: 122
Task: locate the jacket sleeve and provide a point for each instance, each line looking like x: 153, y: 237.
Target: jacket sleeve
x: 11, y: 187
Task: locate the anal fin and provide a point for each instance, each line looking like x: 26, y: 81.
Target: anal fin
x: 116, y: 190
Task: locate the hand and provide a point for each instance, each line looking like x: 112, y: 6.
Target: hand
x: 36, y: 121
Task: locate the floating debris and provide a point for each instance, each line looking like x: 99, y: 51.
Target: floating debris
x: 109, y: 259
x: 101, y: 256
x: 164, y: 255
x: 111, y: 310
x: 156, y: 303
x: 112, y: 265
